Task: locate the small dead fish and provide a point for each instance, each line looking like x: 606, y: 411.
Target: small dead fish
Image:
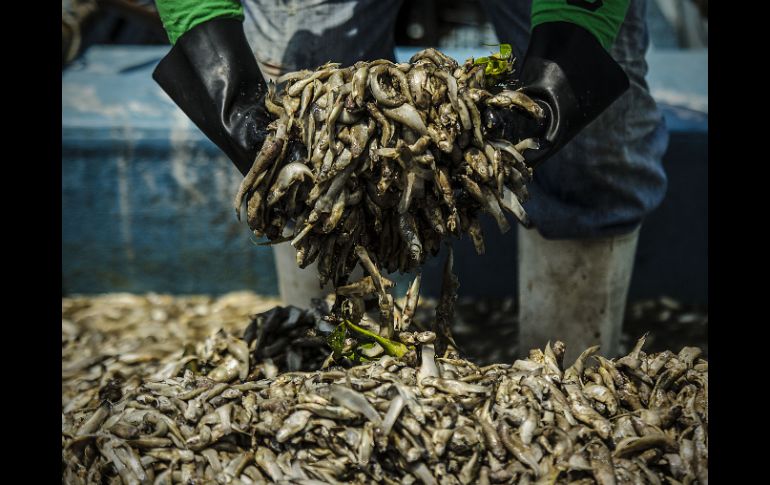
x: 293, y: 425
x: 380, y: 92
x: 637, y: 444
x: 507, y: 98
x: 603, y: 395
x: 451, y: 386
x: 517, y: 448
x: 601, y: 463
x: 583, y: 411
x: 407, y: 115
x: 355, y: 402
x: 289, y: 174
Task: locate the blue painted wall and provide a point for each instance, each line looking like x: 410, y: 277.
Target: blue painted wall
x: 146, y: 198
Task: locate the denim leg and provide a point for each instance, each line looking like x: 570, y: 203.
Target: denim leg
x: 288, y: 35
x: 608, y: 178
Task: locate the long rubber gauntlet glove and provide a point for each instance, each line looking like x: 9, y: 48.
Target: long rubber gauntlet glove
x: 212, y: 75
x: 572, y: 77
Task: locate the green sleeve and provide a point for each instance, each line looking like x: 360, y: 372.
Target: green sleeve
x: 600, y: 17
x: 179, y: 16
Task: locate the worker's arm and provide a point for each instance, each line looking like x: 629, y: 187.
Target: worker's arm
x: 567, y: 71
x: 212, y: 75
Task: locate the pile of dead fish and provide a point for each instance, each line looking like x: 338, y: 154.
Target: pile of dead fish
x: 390, y: 157
x: 137, y: 410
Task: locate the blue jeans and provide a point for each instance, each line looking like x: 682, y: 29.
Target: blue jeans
x: 603, y: 183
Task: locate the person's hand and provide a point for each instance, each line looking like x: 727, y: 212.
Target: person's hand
x: 212, y: 75
x: 571, y: 76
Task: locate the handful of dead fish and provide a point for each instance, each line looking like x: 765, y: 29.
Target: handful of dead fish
x: 390, y: 157
x: 137, y: 407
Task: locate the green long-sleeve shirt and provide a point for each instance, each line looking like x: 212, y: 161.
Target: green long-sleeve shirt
x: 179, y: 16
x: 600, y: 17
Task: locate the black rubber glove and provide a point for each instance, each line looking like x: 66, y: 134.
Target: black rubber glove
x: 571, y: 76
x: 212, y: 75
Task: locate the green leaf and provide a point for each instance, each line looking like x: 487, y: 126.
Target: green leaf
x: 506, y: 51
x: 336, y: 339
x: 496, y: 67
x: 498, y: 63
x: 396, y: 349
